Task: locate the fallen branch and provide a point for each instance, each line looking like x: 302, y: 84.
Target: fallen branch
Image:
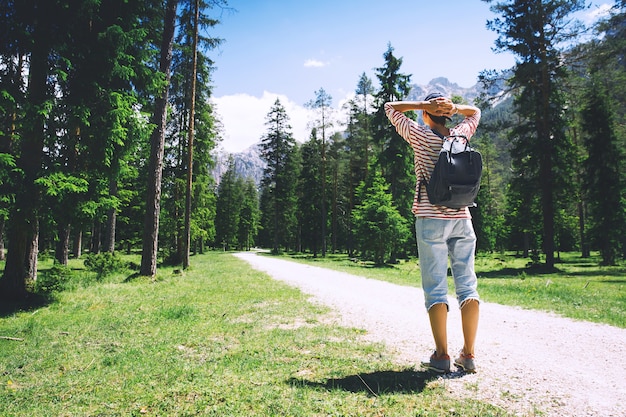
x: 367, y: 386
x: 15, y: 339
x: 90, y: 363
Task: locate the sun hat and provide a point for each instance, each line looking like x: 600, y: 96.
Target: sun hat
x: 431, y: 96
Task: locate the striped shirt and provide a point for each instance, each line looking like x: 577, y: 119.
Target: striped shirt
x: 426, y: 146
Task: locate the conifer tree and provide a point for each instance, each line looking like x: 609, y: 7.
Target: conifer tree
x: 603, y: 183
x: 380, y: 228
x: 534, y: 30
x: 279, y: 179
x: 323, y: 123
x: 337, y: 167
x: 33, y: 32
x: 310, y: 195
x: 157, y: 148
x: 609, y: 67
x: 248, y: 215
x: 358, y: 144
x: 229, y: 199
x: 192, y: 130
x: 394, y: 156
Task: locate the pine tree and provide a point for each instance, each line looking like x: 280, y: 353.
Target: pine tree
x: 363, y: 108
x: 192, y: 129
x: 492, y: 142
x: 191, y: 135
x: 394, y: 157
x: 157, y: 145
x: 248, y: 215
x: 380, y: 228
x: 534, y: 30
x: 33, y: 31
x: 279, y: 179
x: 603, y: 183
x: 323, y: 123
x: 310, y: 195
x: 229, y: 201
x: 337, y: 166
x: 609, y: 65
x: 358, y: 144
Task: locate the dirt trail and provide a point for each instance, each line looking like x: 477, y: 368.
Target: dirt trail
x: 529, y: 363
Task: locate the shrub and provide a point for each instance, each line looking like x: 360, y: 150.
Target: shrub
x: 53, y: 280
x: 104, y: 264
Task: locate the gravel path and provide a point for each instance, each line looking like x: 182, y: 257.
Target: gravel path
x: 529, y: 363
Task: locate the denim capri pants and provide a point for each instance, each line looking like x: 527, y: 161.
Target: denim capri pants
x: 438, y: 239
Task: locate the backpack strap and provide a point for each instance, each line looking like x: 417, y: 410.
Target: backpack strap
x: 423, y: 181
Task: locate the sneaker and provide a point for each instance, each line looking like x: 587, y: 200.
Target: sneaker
x: 466, y: 362
x: 439, y: 364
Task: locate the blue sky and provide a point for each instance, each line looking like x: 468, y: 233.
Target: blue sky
x: 291, y: 48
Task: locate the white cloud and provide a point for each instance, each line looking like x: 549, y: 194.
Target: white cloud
x: 243, y: 118
x: 596, y: 13
x: 313, y: 63
x: 602, y: 11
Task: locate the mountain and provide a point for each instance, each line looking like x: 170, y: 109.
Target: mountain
x: 248, y: 163
x: 496, y: 92
x: 445, y: 87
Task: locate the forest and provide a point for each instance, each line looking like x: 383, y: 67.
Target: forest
x: 107, y: 129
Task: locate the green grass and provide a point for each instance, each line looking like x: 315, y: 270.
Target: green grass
x: 579, y: 289
x: 218, y: 340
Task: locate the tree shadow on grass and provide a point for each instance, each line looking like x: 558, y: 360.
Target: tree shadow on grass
x: 407, y: 381
x: 539, y: 270
x: 595, y: 273
x: 31, y: 302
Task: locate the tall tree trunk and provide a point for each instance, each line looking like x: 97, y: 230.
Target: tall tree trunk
x: 96, y: 237
x: 21, y: 260
x: 276, y: 193
x: 548, y: 210
x: 32, y: 250
x: 177, y: 257
x: 109, y: 242
x: 78, y: 243
x: 334, y: 218
x: 545, y: 167
x: 584, y: 246
x: 62, y: 251
x: 526, y: 245
x: 1, y: 239
x: 324, y: 214
x: 157, y: 146
x: 7, y: 140
x: 192, y: 110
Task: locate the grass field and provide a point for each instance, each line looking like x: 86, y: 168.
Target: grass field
x: 217, y: 340
x: 579, y: 289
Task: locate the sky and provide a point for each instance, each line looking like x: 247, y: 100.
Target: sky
x: 289, y: 49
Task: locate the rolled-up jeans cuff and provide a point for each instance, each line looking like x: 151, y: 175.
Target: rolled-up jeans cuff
x: 438, y: 302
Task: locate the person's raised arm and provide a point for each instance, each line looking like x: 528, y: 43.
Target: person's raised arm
x: 464, y: 109
x: 439, y: 106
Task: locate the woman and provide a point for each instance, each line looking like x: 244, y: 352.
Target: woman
x: 441, y: 232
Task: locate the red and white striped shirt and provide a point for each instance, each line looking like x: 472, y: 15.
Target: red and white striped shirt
x: 426, y: 146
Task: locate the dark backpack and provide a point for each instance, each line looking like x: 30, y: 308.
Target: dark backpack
x: 455, y: 181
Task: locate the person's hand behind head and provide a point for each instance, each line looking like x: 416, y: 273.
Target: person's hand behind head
x: 441, y: 106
